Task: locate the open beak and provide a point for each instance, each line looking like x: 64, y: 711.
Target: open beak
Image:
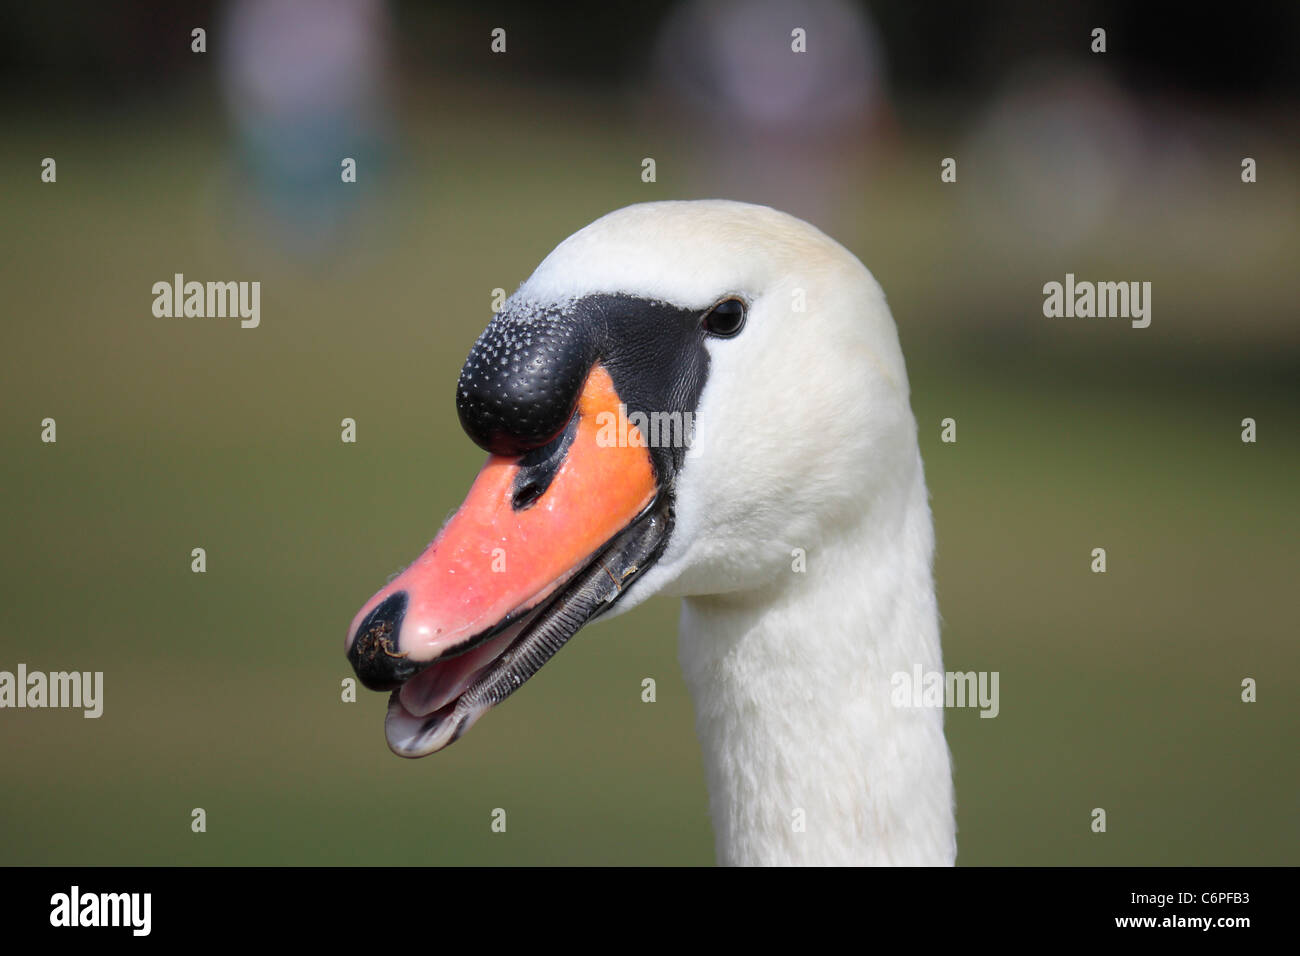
x: 542, y: 544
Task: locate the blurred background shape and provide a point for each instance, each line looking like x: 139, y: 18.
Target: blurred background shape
x: 1052, y: 125
x: 305, y: 83
x: 740, y: 80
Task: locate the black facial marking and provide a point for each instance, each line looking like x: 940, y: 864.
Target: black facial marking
x: 520, y: 385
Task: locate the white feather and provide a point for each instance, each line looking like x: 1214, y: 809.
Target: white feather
x: 804, y: 439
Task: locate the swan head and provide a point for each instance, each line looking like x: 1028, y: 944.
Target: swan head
x: 680, y: 394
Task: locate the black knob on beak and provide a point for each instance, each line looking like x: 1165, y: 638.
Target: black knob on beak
x: 521, y: 382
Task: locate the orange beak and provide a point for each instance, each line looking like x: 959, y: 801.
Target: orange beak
x: 462, y: 611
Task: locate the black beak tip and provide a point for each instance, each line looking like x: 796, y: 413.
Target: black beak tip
x: 375, y: 653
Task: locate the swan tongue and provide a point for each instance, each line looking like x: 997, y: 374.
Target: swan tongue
x: 436, y: 686
x: 590, y: 593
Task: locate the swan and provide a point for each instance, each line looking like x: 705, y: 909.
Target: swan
x: 704, y: 399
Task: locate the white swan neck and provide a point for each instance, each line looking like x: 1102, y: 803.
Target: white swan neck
x: 806, y: 758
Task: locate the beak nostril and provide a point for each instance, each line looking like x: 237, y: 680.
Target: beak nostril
x: 375, y: 653
x: 538, y: 468
x: 527, y: 495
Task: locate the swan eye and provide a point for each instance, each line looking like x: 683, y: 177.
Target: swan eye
x: 726, y: 318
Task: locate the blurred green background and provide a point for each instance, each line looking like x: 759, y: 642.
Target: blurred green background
x: 222, y: 690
